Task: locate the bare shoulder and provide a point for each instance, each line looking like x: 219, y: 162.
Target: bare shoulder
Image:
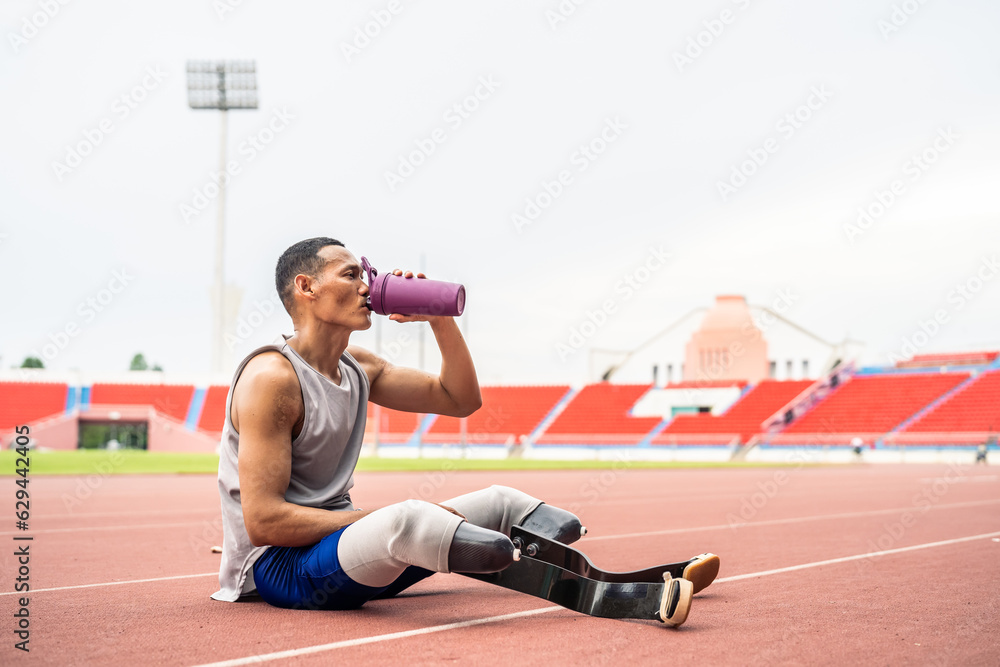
x: 372, y: 364
x: 268, y: 393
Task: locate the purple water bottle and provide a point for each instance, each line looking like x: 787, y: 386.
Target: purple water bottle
x: 388, y: 294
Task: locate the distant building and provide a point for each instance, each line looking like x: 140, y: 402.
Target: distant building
x: 732, y: 341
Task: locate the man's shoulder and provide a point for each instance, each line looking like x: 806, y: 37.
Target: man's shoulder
x: 270, y: 372
x: 368, y: 361
x: 358, y: 353
x: 268, y: 389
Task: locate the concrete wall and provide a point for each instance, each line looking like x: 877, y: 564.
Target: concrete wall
x: 163, y: 433
x: 55, y: 433
x: 169, y: 435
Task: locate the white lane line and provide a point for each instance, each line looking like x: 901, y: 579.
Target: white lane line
x: 292, y: 653
x: 671, y: 531
x: 89, y: 529
x: 801, y: 519
x: 846, y: 559
x: 87, y: 515
x: 606, y: 537
x: 114, y: 583
x: 958, y: 480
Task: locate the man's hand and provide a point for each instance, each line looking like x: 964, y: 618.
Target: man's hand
x: 396, y: 317
x: 453, y: 392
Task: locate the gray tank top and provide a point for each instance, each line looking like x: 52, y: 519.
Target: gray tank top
x: 324, y: 456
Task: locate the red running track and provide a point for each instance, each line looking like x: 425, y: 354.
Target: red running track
x: 121, y: 573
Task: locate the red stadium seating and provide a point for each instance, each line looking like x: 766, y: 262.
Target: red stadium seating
x: 26, y: 402
x: 600, y: 413
x: 394, y: 426
x: 744, y: 417
x: 170, y: 399
x: 949, y: 359
x: 870, y: 406
x: 975, y: 408
x: 875, y: 403
x: 506, y: 411
x: 213, y: 412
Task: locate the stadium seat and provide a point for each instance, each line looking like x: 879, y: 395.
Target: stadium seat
x: 875, y: 403
x: 395, y: 426
x: 26, y: 402
x: 507, y: 412
x: 599, y: 415
x: 213, y: 412
x: 744, y: 417
x: 976, y: 407
x: 949, y: 359
x: 170, y: 399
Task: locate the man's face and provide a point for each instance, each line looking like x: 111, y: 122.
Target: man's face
x: 340, y: 291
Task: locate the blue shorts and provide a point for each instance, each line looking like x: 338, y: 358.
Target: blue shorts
x: 311, y: 578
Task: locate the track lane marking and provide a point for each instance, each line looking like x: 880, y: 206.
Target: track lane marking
x: 670, y: 531
x: 87, y: 515
x: 778, y: 522
x: 374, y: 639
x: 958, y: 480
x: 847, y: 559
x: 588, y: 539
x: 291, y: 653
x: 113, y: 583
x: 88, y: 529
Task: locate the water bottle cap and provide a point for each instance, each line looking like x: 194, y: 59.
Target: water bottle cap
x: 375, y: 290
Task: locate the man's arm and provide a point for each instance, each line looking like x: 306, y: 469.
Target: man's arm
x: 455, y: 392
x: 267, y: 403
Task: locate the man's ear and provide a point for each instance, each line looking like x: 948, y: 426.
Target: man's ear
x: 304, y: 284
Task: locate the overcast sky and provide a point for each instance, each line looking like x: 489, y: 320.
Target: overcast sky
x: 740, y: 139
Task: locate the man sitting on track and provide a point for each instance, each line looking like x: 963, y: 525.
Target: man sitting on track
x: 295, y: 419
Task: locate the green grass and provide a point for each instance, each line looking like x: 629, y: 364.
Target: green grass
x: 85, y: 462
x: 417, y: 465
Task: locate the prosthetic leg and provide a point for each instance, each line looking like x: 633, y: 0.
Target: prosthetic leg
x: 556, y: 572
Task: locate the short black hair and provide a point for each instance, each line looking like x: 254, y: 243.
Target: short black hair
x: 299, y: 258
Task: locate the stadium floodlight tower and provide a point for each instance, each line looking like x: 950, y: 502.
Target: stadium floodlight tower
x: 222, y: 85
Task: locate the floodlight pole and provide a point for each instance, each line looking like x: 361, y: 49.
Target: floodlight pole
x: 206, y: 93
x: 219, y: 284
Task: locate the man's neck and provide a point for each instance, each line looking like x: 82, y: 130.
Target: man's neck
x: 321, y: 346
